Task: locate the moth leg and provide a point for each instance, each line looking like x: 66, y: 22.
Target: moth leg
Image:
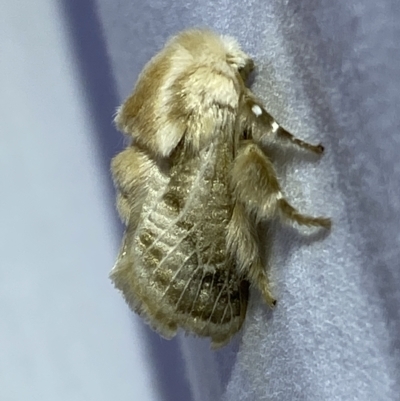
x: 243, y: 245
x: 265, y: 128
x: 256, y: 185
x: 130, y: 169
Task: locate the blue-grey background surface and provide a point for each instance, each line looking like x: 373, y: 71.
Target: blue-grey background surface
x: 328, y: 71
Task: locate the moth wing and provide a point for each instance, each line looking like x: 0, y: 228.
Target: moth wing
x: 209, y: 300
x: 212, y: 303
x: 174, y: 269
x: 126, y: 277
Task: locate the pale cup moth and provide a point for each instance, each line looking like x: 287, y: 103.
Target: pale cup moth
x: 193, y: 186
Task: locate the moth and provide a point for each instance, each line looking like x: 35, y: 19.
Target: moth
x: 193, y: 186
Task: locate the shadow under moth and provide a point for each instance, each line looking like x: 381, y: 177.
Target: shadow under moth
x: 193, y: 186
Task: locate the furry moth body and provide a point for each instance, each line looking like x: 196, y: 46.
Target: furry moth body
x: 192, y: 187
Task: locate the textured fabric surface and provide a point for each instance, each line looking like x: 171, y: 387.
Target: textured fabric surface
x: 327, y: 71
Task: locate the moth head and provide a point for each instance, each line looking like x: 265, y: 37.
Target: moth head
x: 237, y: 58
x: 222, y: 53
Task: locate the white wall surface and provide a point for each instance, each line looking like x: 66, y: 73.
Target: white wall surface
x: 65, y: 333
